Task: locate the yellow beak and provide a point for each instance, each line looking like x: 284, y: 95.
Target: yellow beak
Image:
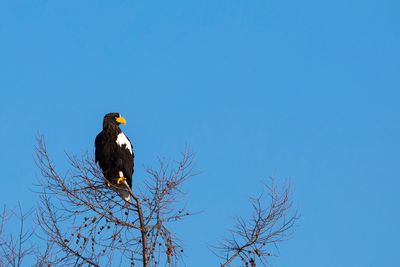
x: 120, y: 119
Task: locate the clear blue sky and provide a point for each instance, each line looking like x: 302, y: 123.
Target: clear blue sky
x: 307, y: 90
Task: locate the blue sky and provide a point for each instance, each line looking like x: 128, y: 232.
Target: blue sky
x: 306, y: 90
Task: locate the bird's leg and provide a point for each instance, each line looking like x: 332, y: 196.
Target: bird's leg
x: 120, y: 180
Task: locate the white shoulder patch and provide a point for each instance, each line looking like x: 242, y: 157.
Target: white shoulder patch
x: 123, y: 140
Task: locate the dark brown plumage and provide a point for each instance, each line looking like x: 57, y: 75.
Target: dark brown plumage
x: 114, y: 153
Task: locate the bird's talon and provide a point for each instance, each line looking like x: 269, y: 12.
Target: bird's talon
x: 121, y: 180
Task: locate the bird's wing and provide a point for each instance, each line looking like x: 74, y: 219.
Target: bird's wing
x: 97, y: 145
x: 132, y: 166
x: 125, y: 157
x: 133, y: 156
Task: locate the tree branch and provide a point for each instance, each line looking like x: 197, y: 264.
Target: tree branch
x: 253, y: 239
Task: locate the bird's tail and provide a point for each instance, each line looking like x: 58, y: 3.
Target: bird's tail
x: 124, y: 191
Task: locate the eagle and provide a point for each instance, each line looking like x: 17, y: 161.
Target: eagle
x: 114, y: 154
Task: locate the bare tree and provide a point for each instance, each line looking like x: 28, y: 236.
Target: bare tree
x: 15, y: 246
x: 82, y: 222
x: 89, y: 223
x: 256, y: 238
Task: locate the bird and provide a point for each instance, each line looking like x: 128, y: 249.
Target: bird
x: 115, y: 156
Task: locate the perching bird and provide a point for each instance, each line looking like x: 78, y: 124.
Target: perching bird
x: 114, y: 153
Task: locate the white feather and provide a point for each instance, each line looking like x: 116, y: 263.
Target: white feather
x: 124, y: 192
x: 123, y: 140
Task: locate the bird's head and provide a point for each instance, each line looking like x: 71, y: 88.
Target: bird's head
x: 113, y: 118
